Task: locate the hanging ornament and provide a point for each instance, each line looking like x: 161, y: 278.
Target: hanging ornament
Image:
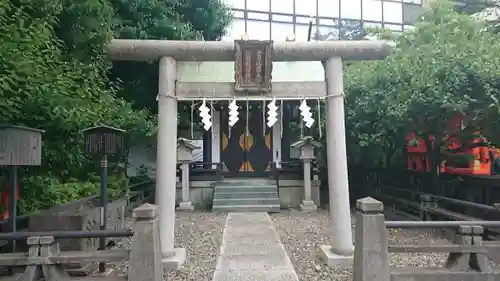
x: 212, y: 113
x: 191, y: 125
x: 305, y: 112
x: 319, y: 119
x: 247, y: 131
x: 263, y: 110
x: 233, y: 113
x: 281, y: 118
x: 205, y: 115
x: 272, y: 113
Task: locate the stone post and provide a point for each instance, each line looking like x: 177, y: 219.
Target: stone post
x: 371, y: 257
x: 426, y: 201
x: 49, y: 247
x: 460, y: 261
x: 307, y: 204
x: 481, y: 262
x: 32, y: 271
x: 185, y: 204
x: 166, y: 160
x: 341, y: 249
x: 145, y: 256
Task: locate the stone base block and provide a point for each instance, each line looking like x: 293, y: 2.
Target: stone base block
x: 335, y: 260
x: 185, y: 206
x: 175, y: 259
x: 308, y: 206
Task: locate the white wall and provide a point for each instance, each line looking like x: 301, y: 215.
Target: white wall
x: 143, y: 155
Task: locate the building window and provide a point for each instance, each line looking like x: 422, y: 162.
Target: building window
x: 258, y: 5
x: 350, y: 9
x: 235, y: 4
x: 329, y: 8
x: 372, y: 10
x: 413, y: 1
x: 239, y: 14
x: 393, y: 12
x: 394, y: 27
x: 328, y: 21
x: 258, y: 30
x: 411, y: 13
x: 281, y: 6
x: 258, y: 16
x: 235, y: 30
x: 301, y: 32
x: 304, y: 20
x: 324, y: 33
x: 282, y: 18
x: 372, y: 25
x: 279, y: 31
x: 351, y: 30
x: 305, y: 7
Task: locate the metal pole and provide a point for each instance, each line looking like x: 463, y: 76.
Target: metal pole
x: 104, y: 206
x: 12, y: 211
x: 309, y: 31
x: 13, y: 205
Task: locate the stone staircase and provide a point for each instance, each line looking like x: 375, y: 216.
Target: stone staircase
x: 246, y: 195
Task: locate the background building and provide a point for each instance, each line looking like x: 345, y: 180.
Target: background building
x: 345, y: 19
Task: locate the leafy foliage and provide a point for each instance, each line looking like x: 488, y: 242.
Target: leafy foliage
x: 448, y: 64
x: 55, y: 76
x: 175, y: 20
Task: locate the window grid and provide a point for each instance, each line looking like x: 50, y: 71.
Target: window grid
x: 267, y: 15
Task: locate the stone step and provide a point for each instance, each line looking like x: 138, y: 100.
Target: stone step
x: 247, y: 208
x: 243, y: 182
x: 245, y: 195
x: 246, y: 201
x: 245, y: 189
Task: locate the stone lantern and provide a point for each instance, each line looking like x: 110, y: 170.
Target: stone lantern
x: 306, y: 146
x: 185, y: 149
x: 19, y: 146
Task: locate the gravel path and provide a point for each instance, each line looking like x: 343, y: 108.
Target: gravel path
x: 303, y: 233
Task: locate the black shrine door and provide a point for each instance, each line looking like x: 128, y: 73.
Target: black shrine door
x: 246, y: 149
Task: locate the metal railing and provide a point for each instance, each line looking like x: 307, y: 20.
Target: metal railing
x: 44, y: 255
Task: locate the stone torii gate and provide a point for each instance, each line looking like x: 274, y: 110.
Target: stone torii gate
x: 172, y: 54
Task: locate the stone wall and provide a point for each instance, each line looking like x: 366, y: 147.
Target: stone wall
x: 79, y: 215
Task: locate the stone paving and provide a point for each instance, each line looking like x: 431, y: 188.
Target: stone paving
x: 251, y: 250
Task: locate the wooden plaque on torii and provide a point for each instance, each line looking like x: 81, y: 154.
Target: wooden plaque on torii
x: 253, y: 66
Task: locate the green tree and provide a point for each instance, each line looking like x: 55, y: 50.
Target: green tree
x: 162, y: 20
x: 446, y: 65
x: 55, y: 76
x: 48, y: 82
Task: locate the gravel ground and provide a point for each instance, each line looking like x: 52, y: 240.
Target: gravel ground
x: 303, y: 233
x: 201, y: 234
